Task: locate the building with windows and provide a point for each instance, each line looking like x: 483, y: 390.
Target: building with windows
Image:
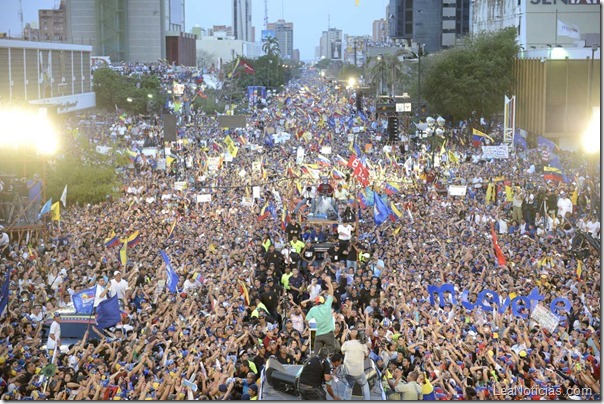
x: 437, y: 24
x: 51, y: 24
x: 242, y: 20
x: 128, y: 30
x: 380, y: 31
x: 53, y: 75
x: 331, y: 44
x: 541, y: 23
x: 284, y: 32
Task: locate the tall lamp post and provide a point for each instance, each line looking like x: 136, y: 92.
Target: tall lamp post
x: 420, y: 50
x: 380, y: 58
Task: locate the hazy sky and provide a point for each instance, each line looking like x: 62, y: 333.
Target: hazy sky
x: 309, y: 16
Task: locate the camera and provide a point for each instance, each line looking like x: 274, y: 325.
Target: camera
x: 362, y: 337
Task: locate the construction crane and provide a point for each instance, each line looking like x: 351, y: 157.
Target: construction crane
x: 21, y: 16
x: 265, y: 14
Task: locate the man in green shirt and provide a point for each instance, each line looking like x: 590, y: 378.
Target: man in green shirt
x: 321, y: 313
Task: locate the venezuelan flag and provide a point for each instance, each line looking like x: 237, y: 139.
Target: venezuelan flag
x: 131, y: 155
x: 478, y: 137
x: 337, y: 174
x: 323, y: 161
x: 242, y: 140
x: 112, y: 240
x: 391, y: 188
x: 284, y: 217
x: 396, y: 213
x: 133, y: 239
x: 264, y: 212
x: 341, y: 161
x: 553, y: 174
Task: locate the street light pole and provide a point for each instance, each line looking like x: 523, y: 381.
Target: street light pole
x: 594, y: 48
x: 419, y: 76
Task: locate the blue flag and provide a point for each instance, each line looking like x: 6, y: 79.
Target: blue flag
x: 331, y: 121
x: 108, y: 313
x: 542, y: 141
x: 83, y: 301
x: 45, y: 208
x: 520, y: 141
x: 381, y: 211
x: 173, y: 279
x: 4, y: 292
x: 362, y: 116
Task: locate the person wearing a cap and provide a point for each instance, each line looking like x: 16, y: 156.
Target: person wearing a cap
x: 54, y: 334
x: 355, y: 354
x: 118, y: 286
x: 321, y: 313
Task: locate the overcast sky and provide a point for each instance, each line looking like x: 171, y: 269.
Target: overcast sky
x: 309, y: 16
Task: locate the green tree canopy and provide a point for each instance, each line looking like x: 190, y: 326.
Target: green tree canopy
x: 472, y: 78
x: 270, y: 46
x: 113, y: 89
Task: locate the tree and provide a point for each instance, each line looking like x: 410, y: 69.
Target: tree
x: 472, y: 78
x: 387, y: 70
x: 128, y: 93
x: 271, y: 46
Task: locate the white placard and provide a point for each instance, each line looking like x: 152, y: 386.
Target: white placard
x: 242, y: 173
x: 202, y: 198
x: 256, y: 192
x: 103, y: 149
x: 180, y: 185
x: 326, y: 150
x: 387, y: 149
x: 257, y: 166
x: 246, y: 201
x: 495, y: 152
x: 149, y: 151
x: 350, y: 137
x: 356, y: 129
x: 458, y: 190
x: 161, y: 164
x: 227, y: 157
x: 213, y: 163
x: 300, y: 155
x: 545, y: 318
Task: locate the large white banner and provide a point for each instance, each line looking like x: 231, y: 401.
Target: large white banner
x: 458, y: 190
x: 545, y: 318
x: 495, y: 152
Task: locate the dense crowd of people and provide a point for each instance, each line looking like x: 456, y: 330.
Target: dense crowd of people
x: 251, y: 278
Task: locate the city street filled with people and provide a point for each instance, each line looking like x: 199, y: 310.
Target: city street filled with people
x: 309, y: 238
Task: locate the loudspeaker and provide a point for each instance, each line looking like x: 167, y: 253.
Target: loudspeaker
x: 169, y: 127
x: 278, y: 379
x: 392, y: 128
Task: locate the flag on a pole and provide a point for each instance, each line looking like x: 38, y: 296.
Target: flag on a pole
x: 579, y: 270
x: 478, y: 137
x: 45, y: 209
x: 381, y: 212
x: 64, y: 197
x: 55, y: 210
x: 568, y: 30
x: 172, y: 228
x: 397, y: 213
x: 172, y: 282
x: 112, y: 240
x: 108, y: 313
x: 83, y: 301
x: 133, y: 239
x: 391, y: 188
x: 498, y: 253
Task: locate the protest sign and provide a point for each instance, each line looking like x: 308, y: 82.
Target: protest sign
x: 242, y: 173
x: 180, y: 185
x: 495, y: 152
x: 458, y: 190
x: 350, y: 137
x: 257, y: 166
x: 202, y: 198
x: 545, y: 318
x: 326, y: 150
x: 227, y: 157
x: 387, y: 149
x: 149, y: 151
x: 300, y: 155
x: 256, y: 192
x: 247, y: 201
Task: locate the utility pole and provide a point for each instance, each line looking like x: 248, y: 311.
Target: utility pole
x: 21, y: 16
x: 265, y: 14
x: 419, y: 76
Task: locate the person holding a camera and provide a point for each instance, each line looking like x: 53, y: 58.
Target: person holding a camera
x: 355, y: 352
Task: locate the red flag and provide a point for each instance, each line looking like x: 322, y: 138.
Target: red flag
x: 498, y: 253
x: 247, y: 68
x: 361, y: 173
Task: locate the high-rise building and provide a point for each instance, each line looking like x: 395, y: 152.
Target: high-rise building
x: 128, y: 30
x: 331, y: 44
x: 284, y: 32
x: 242, y: 20
x: 540, y: 23
x: 380, y: 31
x: 52, y: 24
x: 435, y: 23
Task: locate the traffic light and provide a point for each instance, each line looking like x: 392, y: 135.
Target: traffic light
x: 392, y: 128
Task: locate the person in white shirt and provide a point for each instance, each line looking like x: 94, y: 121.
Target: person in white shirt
x: 314, y: 289
x: 101, y: 291
x: 54, y: 334
x: 118, y: 286
x: 190, y: 284
x: 354, y: 364
x: 564, y: 204
x: 593, y: 227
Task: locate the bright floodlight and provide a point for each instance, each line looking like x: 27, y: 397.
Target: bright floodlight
x: 27, y: 129
x: 351, y: 82
x: 591, y: 136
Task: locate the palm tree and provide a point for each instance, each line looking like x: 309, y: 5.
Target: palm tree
x: 386, y: 71
x: 270, y: 46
